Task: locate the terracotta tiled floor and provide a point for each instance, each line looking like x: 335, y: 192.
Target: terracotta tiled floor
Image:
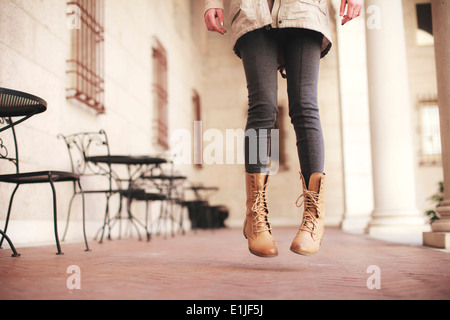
x: 217, y: 266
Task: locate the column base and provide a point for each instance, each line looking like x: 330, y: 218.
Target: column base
x: 394, y: 230
x: 396, y: 223
x: 439, y: 240
x: 355, y: 223
x: 443, y: 224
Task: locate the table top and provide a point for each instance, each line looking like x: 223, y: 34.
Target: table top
x: 195, y: 188
x: 126, y: 159
x: 165, y: 177
x: 18, y: 104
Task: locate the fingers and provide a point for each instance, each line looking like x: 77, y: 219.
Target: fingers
x: 354, y: 8
x: 342, y: 10
x: 220, y: 17
x: 211, y: 22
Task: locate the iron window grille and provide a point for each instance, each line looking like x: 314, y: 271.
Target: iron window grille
x: 160, y: 95
x: 85, y: 67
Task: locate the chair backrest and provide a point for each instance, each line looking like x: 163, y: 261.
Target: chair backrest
x: 81, y: 146
x: 8, y: 146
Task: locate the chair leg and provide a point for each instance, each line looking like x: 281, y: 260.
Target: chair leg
x: 84, y: 217
x: 181, y: 222
x: 4, y: 236
x: 106, y: 222
x: 131, y: 219
x: 68, y: 217
x: 9, y: 213
x: 55, y: 218
x: 102, y: 229
x: 172, y: 218
x: 138, y: 223
x: 147, y: 209
x: 112, y: 222
x: 162, y: 219
x: 158, y: 222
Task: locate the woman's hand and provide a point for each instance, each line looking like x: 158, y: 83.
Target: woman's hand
x: 354, y: 8
x: 211, y: 22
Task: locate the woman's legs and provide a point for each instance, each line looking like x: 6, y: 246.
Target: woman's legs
x: 259, y: 55
x: 302, y: 56
x: 302, y: 50
x: 259, y: 51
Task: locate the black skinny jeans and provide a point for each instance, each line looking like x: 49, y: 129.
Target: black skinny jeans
x: 301, y: 51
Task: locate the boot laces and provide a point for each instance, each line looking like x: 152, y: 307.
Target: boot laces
x: 311, y: 201
x: 260, y: 212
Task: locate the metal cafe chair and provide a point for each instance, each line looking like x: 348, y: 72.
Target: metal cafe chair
x: 18, y: 104
x: 101, y: 178
x: 97, y: 177
x: 166, y: 182
x: 144, y: 196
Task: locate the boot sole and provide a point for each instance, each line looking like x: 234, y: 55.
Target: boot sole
x: 263, y: 255
x: 307, y: 254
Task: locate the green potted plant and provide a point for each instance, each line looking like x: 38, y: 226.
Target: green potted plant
x: 436, y: 199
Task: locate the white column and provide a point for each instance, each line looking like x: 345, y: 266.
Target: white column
x: 351, y: 47
x: 395, y: 210
x: 440, y: 237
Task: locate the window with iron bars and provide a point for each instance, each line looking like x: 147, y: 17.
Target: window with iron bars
x: 85, y: 67
x: 160, y: 96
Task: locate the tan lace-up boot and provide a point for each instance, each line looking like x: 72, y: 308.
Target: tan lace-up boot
x: 309, y: 237
x: 257, y: 228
